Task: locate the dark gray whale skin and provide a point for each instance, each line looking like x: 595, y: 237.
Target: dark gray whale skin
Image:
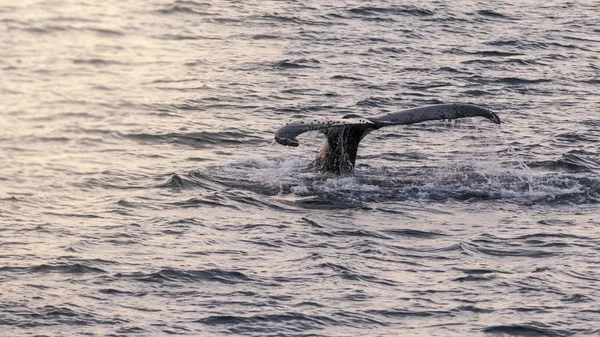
x: 338, y: 153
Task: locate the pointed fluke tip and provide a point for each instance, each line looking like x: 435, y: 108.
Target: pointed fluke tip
x: 494, y: 118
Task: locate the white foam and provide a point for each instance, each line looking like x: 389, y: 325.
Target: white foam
x: 269, y: 172
x: 484, y: 175
x: 345, y: 184
x: 300, y: 190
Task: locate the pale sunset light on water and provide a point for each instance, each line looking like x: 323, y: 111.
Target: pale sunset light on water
x: 151, y: 185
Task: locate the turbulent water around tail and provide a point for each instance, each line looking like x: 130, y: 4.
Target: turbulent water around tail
x: 142, y: 194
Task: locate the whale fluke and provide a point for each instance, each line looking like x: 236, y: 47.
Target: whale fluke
x: 338, y: 153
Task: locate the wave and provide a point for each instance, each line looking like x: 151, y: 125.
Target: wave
x: 376, y: 102
x: 297, y: 64
x: 524, y: 44
x: 76, y: 268
x: 346, y: 273
x: 186, y: 7
x: 54, y: 315
x: 570, y: 162
x: 520, y: 81
x: 505, y: 62
x: 269, y: 323
x: 170, y: 275
x: 96, y: 62
x: 346, y: 77
x: 387, y: 50
x: 529, y: 330
x: 57, y: 28
x: 493, y: 14
x: 201, y: 139
x: 484, y: 53
x: 367, y: 11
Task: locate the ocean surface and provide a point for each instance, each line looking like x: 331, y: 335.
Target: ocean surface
x: 142, y: 194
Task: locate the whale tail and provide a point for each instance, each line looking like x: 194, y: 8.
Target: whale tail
x: 343, y: 135
x: 338, y: 152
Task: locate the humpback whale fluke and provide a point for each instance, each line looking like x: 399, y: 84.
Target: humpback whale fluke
x: 338, y: 153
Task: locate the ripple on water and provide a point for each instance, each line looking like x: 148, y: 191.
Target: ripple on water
x: 530, y: 330
x: 174, y: 276
x: 275, y: 323
x: 198, y: 139
x: 297, y: 64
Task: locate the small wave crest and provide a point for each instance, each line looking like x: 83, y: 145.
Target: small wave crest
x: 393, y: 10
x: 570, y: 162
x: 493, y: 14
x: 186, y: 7
x: 269, y: 323
x: 197, y: 139
x: 170, y: 275
x: 297, y: 64
x: 75, y: 268
x: 530, y: 330
x: 551, y: 188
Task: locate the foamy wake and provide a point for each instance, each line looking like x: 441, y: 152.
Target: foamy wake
x: 490, y: 178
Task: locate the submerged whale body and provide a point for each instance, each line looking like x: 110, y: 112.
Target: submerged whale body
x: 338, y: 153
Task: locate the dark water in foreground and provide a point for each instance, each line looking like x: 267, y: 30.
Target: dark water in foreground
x: 141, y: 193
